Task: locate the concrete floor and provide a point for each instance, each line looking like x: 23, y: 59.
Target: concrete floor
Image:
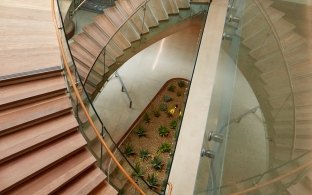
x: 143, y: 75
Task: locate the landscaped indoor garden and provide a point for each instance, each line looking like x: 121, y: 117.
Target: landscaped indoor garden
x: 150, y: 142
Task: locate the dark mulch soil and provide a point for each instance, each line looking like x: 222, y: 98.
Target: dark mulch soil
x: 152, y: 140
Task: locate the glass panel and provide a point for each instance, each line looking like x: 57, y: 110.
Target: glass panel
x: 253, y: 45
x: 137, y: 29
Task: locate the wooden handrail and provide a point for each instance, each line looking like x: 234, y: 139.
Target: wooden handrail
x: 272, y: 181
x: 96, y: 131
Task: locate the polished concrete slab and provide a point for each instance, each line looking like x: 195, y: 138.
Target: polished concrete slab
x: 143, y: 75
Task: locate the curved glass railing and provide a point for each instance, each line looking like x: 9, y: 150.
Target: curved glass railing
x: 120, y: 172
x: 286, y: 177
x: 142, y: 26
x: 98, y: 139
x: 251, y: 45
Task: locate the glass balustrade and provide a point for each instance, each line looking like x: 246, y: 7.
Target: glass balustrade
x: 251, y: 46
x: 141, y: 27
x: 139, y: 21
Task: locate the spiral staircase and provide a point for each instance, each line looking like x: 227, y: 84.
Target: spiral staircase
x: 116, y: 33
x: 276, y: 61
x: 41, y: 149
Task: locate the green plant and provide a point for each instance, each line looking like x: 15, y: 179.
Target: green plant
x: 181, y: 84
x: 129, y: 150
x: 171, y: 88
x: 164, y: 147
x: 152, y: 180
x: 167, y: 98
x: 163, y: 107
x: 163, y: 131
x: 179, y: 93
x: 146, y: 118
x: 141, y: 132
x: 157, y: 163
x: 173, y: 124
x: 138, y: 170
x: 156, y: 113
x: 144, y: 154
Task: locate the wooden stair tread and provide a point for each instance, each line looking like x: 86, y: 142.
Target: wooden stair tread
x: 83, y: 40
x: 94, y: 78
x: 15, y: 171
x: 171, y: 6
x: 183, y: 4
x: 25, y: 41
x: 30, y: 4
x: 26, y: 115
x: 13, y: 94
x: 89, y: 180
x: 52, y: 179
x: 30, y: 29
x: 89, y: 88
x: 159, y: 10
x: 114, y: 15
x: 150, y: 18
x: 107, y: 26
x: 9, y: 12
x: 34, y: 136
x: 82, y: 55
x: 83, y: 71
x: 127, y: 10
x: 126, y: 6
x: 104, y: 188
x: 299, y: 188
x: 127, y: 29
x: 24, y: 60
x: 93, y: 31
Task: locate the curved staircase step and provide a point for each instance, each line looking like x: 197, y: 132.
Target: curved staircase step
x: 303, y: 187
x: 9, y: 11
x: 266, y: 64
x: 95, y: 33
x: 31, y: 91
x: 149, y: 17
x: 127, y: 10
x: 127, y: 29
x: 88, y: 43
x: 85, y: 59
x: 107, y: 27
x: 49, y: 181
x: 15, y: 171
x: 184, y: 4
x: 90, y: 179
x: 31, y: 4
x: 158, y: 10
x: 93, y: 79
x: 171, y: 6
x: 17, y: 143
x: 30, y: 75
x: 19, y: 61
x: 27, y: 115
x: 104, y: 188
